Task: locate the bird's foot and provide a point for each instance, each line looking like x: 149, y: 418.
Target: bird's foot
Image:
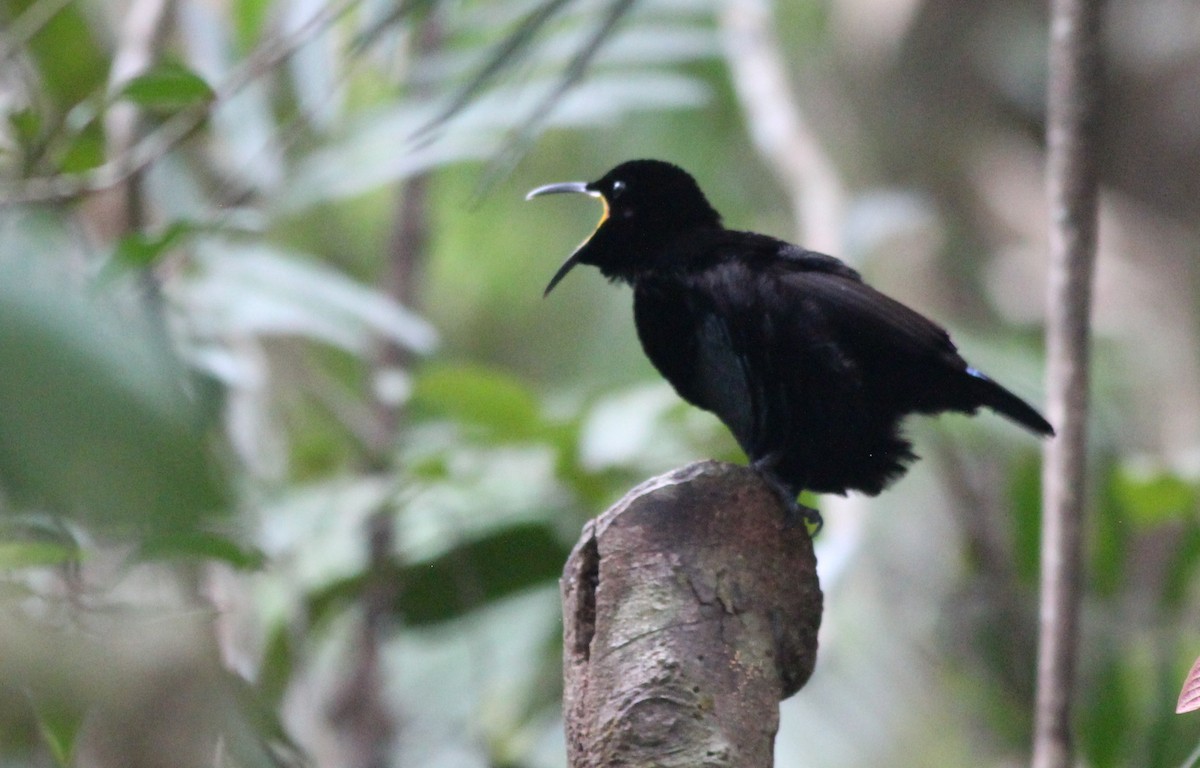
x: 799, y: 514
x: 795, y: 513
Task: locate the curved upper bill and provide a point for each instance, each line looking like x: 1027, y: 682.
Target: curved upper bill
x: 562, y: 187
x: 565, y: 186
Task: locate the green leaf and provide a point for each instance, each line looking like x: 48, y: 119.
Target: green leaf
x: 202, y: 545
x: 167, y: 87
x: 85, y: 150
x: 255, y: 290
x: 59, y: 725
x: 1182, y: 564
x: 573, y: 74
x: 278, y: 664
x: 496, y: 404
x: 249, y: 19
x: 258, y: 735
x: 1106, y: 714
x: 503, y: 55
x: 35, y: 540
x: 70, y: 62
x: 1108, y: 536
x: 138, y: 250
x: 1025, y: 493
x: 389, y: 17
x: 463, y: 579
x: 1153, y: 497
x: 31, y: 554
x: 482, y: 571
x: 26, y: 126
x: 95, y: 420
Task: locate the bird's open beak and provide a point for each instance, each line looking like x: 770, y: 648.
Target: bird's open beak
x: 579, y: 187
x: 566, y: 267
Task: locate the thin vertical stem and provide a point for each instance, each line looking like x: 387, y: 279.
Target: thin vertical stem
x: 779, y: 126
x: 1073, y: 111
x: 364, y: 717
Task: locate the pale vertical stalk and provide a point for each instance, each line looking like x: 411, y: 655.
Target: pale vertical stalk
x: 778, y: 125
x: 787, y: 142
x: 118, y: 209
x: 366, y: 721
x: 1073, y: 110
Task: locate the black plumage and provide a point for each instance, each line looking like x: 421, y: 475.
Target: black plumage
x: 811, y: 369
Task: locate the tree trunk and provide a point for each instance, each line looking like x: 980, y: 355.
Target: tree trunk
x: 690, y: 611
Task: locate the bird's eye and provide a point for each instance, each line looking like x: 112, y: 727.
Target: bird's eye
x: 617, y: 188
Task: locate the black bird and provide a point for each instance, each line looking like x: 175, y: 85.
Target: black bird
x: 810, y: 368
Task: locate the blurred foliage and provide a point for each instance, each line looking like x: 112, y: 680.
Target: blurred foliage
x: 302, y: 305
x: 95, y: 414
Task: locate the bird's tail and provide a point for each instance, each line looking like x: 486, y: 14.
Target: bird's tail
x: 1007, y: 404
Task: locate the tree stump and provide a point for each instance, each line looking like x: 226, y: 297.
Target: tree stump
x: 690, y: 611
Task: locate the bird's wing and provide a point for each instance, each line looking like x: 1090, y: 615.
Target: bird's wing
x: 892, y: 343
x: 690, y: 340
x: 793, y: 257
x: 723, y: 381
x: 864, y: 318
x: 829, y: 288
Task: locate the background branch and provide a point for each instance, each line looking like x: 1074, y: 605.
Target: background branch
x: 29, y: 23
x: 1074, y: 87
x: 153, y: 146
x: 366, y: 721
x: 118, y: 210
x: 778, y: 126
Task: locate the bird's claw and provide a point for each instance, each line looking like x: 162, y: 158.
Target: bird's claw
x: 795, y: 514
x: 798, y: 514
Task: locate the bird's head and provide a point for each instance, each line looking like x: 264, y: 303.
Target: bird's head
x: 647, y: 203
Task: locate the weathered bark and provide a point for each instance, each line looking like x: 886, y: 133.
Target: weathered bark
x: 690, y: 610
